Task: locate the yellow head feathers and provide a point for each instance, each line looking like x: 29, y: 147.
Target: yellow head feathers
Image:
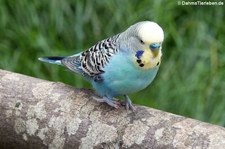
x: 150, y: 32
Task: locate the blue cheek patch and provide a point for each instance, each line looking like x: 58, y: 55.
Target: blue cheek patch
x: 139, y: 53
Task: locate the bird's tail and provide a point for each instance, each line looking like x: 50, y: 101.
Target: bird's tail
x: 52, y: 59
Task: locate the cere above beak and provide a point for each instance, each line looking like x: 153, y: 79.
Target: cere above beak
x: 154, y: 46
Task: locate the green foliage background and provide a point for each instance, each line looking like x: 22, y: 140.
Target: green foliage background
x: 191, y: 80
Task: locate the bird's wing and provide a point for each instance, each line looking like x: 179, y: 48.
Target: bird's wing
x: 90, y: 62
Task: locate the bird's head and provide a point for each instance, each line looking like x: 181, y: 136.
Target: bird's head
x: 145, y: 40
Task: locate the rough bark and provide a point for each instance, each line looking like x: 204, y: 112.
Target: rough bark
x: 40, y: 114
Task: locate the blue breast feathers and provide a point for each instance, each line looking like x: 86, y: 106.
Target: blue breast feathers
x: 122, y: 77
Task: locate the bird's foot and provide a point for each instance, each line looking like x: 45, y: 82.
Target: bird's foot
x: 111, y: 102
x: 129, y: 104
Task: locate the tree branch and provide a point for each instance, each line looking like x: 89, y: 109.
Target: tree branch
x: 40, y: 114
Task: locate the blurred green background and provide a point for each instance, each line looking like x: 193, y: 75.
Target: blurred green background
x: 191, y: 80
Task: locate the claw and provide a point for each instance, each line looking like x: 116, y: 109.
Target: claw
x: 129, y: 104
x: 116, y: 104
x: 111, y: 102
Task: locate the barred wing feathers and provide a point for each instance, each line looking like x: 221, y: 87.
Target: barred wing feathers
x: 90, y: 62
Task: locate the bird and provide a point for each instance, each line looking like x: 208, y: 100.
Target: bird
x: 119, y: 65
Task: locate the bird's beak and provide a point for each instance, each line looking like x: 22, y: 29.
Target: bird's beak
x: 155, y: 48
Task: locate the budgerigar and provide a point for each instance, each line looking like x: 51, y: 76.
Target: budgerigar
x: 119, y: 65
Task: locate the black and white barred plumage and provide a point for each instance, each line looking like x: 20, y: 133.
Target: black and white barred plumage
x: 90, y: 62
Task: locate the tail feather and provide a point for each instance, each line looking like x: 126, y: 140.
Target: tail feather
x: 52, y: 59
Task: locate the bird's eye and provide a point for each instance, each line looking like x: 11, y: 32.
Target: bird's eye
x: 141, y: 41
